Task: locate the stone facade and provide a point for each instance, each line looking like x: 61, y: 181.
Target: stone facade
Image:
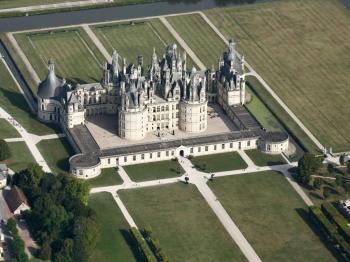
x: 165, y: 96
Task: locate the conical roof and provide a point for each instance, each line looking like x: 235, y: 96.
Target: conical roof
x: 51, y: 86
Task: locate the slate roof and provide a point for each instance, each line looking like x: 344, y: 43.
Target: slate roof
x: 15, y: 198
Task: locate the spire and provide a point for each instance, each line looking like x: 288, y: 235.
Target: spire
x: 51, y: 67
x: 154, y: 56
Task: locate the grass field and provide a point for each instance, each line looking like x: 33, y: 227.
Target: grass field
x: 156, y: 170
x: 271, y: 216
x: 182, y: 221
x: 18, y: 3
x: 138, y: 39
x: 204, y: 42
x: 305, y: 59
x: 56, y: 152
x: 276, y: 113
x: 20, y: 158
x: 261, y: 159
x: 12, y: 101
x: 108, y: 177
x: 76, y: 57
x: 114, y: 237
x: 219, y: 162
x: 6, y: 130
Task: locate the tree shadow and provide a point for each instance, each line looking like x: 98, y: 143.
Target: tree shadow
x: 306, y: 216
x: 275, y: 163
x: 132, y: 244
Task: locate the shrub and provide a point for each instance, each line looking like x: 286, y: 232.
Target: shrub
x: 11, y: 226
x: 318, y: 182
x: 141, y: 244
x: 326, y: 192
x: 5, y: 152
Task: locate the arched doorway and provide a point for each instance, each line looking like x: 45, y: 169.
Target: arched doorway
x: 182, y: 153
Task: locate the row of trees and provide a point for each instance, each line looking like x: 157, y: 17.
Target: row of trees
x: 5, y: 152
x: 17, y: 245
x: 59, y: 219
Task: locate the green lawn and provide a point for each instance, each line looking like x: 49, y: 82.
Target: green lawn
x: 20, y: 158
x: 113, y: 244
x: 300, y: 48
x: 204, y: 42
x: 138, y: 39
x: 7, y: 130
x: 14, y: 103
x: 56, y: 152
x: 76, y: 57
x: 18, y: 3
x: 155, y: 170
x: 271, y: 216
x: 267, y: 110
x: 182, y: 221
x: 219, y: 162
x: 261, y: 159
x: 108, y: 177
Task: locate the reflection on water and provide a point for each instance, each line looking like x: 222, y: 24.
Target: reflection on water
x: 217, y: 2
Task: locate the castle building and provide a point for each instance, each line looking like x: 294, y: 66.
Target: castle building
x: 164, y: 96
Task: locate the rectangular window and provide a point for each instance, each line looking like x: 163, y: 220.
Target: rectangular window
x: 125, y: 159
x: 223, y: 146
x: 109, y: 161
x: 191, y: 150
x: 142, y: 156
x: 150, y: 155
x: 199, y: 149
x: 231, y: 145
x: 206, y: 148
x: 134, y: 157
x: 214, y: 147
x: 167, y: 153
x: 172, y: 152
x: 158, y: 154
x: 248, y: 143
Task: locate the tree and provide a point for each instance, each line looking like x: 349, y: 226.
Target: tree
x: 307, y: 166
x: 326, y: 192
x: 342, y: 159
x: 65, y: 253
x: 318, y: 182
x: 339, y: 180
x: 347, y: 186
x: 5, y: 152
x: 348, y: 166
x: 11, y: 226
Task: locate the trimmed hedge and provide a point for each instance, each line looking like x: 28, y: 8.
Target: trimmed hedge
x: 155, y: 245
x: 341, y: 222
x: 143, y: 248
x: 17, y: 245
x: 330, y: 231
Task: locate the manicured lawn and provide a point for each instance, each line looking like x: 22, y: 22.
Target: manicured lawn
x: 261, y: 159
x: 76, y: 57
x: 156, y: 170
x: 113, y: 244
x: 182, y: 221
x: 265, y: 103
x: 12, y: 101
x: 271, y: 216
x: 203, y: 41
x: 138, y: 39
x: 219, y: 162
x: 56, y: 152
x: 6, y: 130
x: 21, y: 156
x: 108, y: 177
x: 18, y: 3
x: 305, y: 60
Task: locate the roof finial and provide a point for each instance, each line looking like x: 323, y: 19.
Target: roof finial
x: 51, y: 66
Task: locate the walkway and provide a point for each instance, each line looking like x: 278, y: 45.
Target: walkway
x: 199, y: 179
x: 24, y: 58
x: 268, y: 88
x: 27, y: 138
x: 26, y: 9
x: 179, y: 39
x: 97, y: 42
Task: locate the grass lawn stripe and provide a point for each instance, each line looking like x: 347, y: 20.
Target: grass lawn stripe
x: 272, y: 217
x: 20, y: 158
x: 7, y: 130
x: 183, y: 222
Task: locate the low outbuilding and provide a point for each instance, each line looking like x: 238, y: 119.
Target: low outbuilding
x: 16, y: 200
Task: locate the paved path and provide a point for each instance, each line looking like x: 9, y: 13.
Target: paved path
x: 97, y: 42
x: 246, y: 158
x: 29, y: 102
x: 268, y: 88
x: 179, y: 39
x: 28, y: 139
x: 24, y: 58
x: 25, y: 9
x: 199, y: 179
